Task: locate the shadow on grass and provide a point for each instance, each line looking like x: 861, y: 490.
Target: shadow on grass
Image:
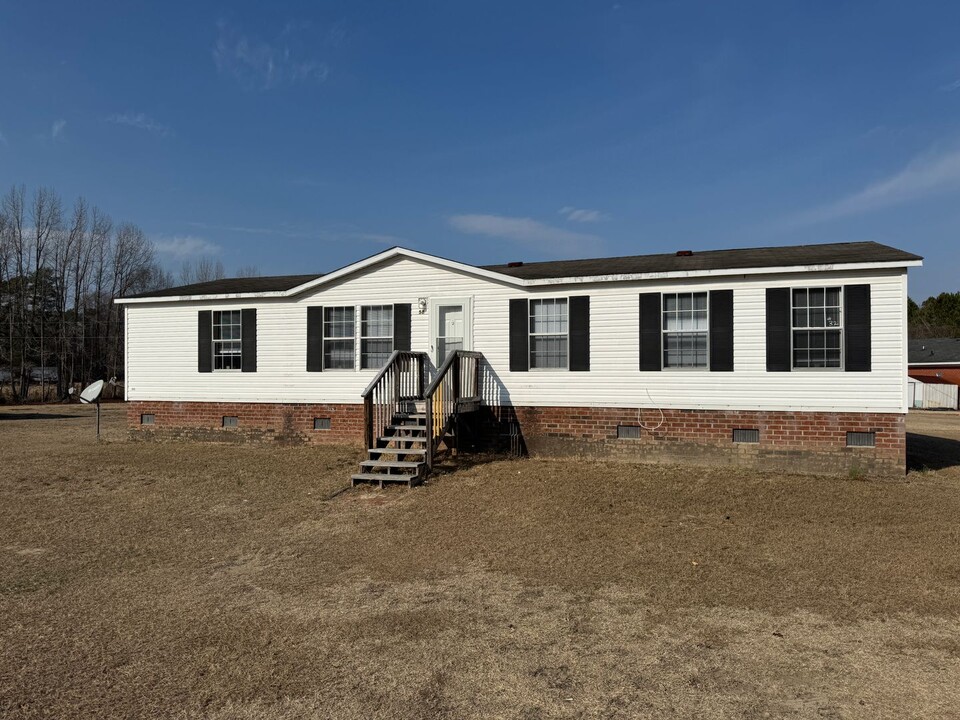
x: 36, y: 416
x: 929, y: 452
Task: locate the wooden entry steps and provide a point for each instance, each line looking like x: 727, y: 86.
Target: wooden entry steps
x: 407, y: 424
x: 400, y: 455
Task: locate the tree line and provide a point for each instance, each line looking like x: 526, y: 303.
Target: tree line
x: 935, y: 317
x: 60, y: 270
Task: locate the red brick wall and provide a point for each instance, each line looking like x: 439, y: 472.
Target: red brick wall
x: 794, y: 442
x: 282, y: 422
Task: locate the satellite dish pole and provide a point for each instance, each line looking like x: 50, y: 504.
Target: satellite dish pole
x: 91, y: 394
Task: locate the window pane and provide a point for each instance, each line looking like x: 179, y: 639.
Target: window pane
x: 338, y: 354
x: 833, y: 317
x: 700, y: 320
x: 548, y: 316
x: 700, y: 301
x: 686, y: 301
x: 548, y: 351
x: 816, y: 297
x: 670, y: 302
x: 800, y: 318
x: 799, y: 298
x: 685, y: 349
x: 375, y: 353
x: 833, y: 339
x: 833, y: 296
x: 377, y: 321
x: 817, y: 318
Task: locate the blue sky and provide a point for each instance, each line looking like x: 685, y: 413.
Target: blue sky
x: 298, y: 137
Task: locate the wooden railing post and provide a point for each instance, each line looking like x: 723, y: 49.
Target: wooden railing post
x: 421, y: 371
x: 428, y: 417
x: 456, y: 379
x: 368, y: 420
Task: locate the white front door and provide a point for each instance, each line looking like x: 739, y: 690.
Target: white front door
x: 450, y: 321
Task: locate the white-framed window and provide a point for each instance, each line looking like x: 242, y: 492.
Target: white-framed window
x: 686, y: 330
x: 227, y: 340
x: 817, y: 320
x: 339, y: 338
x: 376, y: 335
x: 549, y: 334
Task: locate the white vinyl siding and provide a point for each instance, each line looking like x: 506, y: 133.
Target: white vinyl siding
x: 162, y: 346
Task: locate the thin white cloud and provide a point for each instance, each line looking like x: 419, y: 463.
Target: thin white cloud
x: 582, y: 215
x: 140, y: 121
x: 58, y: 128
x: 258, y: 65
x: 923, y: 176
x: 184, y: 246
x: 951, y: 87
x: 527, y: 231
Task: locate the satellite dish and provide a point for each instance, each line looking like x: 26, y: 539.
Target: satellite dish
x: 91, y: 393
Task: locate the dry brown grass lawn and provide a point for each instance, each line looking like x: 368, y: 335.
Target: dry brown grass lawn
x: 213, y: 581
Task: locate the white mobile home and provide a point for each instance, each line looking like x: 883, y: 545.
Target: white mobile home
x: 789, y: 356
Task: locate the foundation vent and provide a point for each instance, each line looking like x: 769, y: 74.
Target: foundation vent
x: 230, y: 421
x: 746, y: 435
x: 321, y: 423
x: 147, y: 419
x: 861, y: 439
x: 628, y: 432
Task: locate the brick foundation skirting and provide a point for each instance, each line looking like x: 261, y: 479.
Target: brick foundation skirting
x: 280, y: 422
x: 813, y: 442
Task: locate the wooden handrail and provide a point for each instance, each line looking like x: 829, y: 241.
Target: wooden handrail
x: 432, y: 388
x: 383, y: 371
x: 450, y: 370
x: 400, y: 379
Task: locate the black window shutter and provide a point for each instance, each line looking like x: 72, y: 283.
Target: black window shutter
x: 856, y: 341
x: 205, y: 341
x: 248, y: 333
x: 401, y: 326
x: 721, y: 330
x: 580, y: 333
x: 778, y: 330
x: 314, y: 339
x: 651, y: 352
x: 519, y: 335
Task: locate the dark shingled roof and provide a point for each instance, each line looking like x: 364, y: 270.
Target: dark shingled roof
x: 827, y: 254
x: 225, y: 286
x: 934, y: 350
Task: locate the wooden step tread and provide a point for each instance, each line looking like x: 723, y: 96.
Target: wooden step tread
x: 382, y: 478
x: 391, y: 464
x: 418, y: 428
x: 402, y: 438
x: 398, y: 451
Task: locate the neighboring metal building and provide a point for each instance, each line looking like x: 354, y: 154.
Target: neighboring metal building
x: 793, y: 357
x: 935, y: 362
